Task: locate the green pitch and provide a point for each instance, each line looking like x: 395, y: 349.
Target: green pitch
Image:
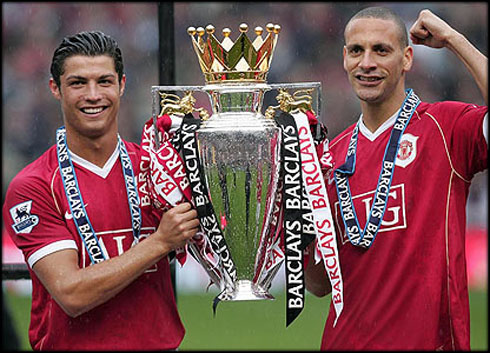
x: 254, y: 325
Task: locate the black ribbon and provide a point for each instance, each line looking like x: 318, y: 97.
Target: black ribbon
x: 200, y: 197
x: 293, y: 203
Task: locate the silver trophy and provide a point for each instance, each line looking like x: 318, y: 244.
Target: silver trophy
x: 239, y: 152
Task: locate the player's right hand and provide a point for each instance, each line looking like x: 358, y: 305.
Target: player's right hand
x: 177, y: 226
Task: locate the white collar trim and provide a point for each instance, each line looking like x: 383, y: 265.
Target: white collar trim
x: 102, y: 172
x: 371, y: 136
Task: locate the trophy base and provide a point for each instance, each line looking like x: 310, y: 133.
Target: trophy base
x: 246, y: 290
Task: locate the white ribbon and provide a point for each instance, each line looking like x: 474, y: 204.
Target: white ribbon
x: 326, y: 240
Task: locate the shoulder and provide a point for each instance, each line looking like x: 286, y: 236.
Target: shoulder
x: 451, y: 109
x: 455, y: 119
x: 461, y: 129
x: 134, y: 151
x: 30, y: 192
x: 37, y: 175
x: 132, y: 146
x: 343, y: 137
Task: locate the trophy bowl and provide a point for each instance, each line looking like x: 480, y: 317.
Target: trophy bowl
x: 239, y: 152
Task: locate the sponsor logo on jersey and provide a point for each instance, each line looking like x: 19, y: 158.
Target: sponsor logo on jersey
x: 24, y: 221
x: 116, y: 242
x: 407, y: 150
x: 394, y: 216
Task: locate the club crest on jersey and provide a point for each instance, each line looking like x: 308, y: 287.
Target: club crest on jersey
x: 407, y: 150
x: 24, y: 220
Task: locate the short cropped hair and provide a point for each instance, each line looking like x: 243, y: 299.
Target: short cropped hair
x: 383, y: 13
x: 91, y: 43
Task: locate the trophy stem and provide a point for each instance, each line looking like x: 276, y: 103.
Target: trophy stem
x: 236, y: 98
x: 247, y: 290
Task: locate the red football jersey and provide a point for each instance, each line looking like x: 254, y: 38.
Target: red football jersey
x: 37, y: 216
x: 408, y: 291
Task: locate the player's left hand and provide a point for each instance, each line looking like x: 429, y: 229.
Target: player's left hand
x: 430, y: 30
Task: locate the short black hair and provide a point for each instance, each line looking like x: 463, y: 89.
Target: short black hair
x: 89, y: 43
x: 384, y: 13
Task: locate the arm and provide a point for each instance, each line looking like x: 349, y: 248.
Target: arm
x: 316, y: 279
x: 78, y: 290
x: 433, y: 32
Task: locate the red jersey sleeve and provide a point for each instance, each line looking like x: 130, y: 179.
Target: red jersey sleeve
x: 462, y: 125
x: 32, y: 218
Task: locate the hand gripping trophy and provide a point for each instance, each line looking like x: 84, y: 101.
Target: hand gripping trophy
x: 256, y: 180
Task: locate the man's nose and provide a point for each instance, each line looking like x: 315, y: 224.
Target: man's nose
x: 93, y: 92
x: 368, y: 61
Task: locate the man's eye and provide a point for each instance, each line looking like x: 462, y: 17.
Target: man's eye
x: 106, y: 82
x: 382, y: 50
x: 76, y: 83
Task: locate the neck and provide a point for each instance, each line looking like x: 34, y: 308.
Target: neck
x: 95, y: 150
x: 375, y: 114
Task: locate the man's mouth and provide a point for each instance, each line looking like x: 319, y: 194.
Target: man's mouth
x: 96, y: 110
x: 368, y: 78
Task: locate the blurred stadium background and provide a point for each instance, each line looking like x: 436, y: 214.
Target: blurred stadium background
x: 309, y: 49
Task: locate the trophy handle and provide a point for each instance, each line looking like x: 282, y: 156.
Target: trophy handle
x: 169, y: 103
x: 173, y: 104
x: 290, y: 103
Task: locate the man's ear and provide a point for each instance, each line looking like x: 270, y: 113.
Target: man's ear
x: 407, y: 58
x: 344, y: 52
x: 122, y: 85
x: 55, y: 90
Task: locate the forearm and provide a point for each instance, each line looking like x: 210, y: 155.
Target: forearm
x: 112, y: 276
x: 78, y: 290
x: 317, y: 285
x: 316, y: 279
x: 473, y: 59
x: 433, y: 32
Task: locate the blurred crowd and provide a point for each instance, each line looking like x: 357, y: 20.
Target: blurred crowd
x: 309, y: 49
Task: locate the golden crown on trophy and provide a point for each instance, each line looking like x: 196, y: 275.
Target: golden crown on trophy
x: 239, y: 61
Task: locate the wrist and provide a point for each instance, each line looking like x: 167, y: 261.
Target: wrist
x: 455, y: 40
x: 156, y: 248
